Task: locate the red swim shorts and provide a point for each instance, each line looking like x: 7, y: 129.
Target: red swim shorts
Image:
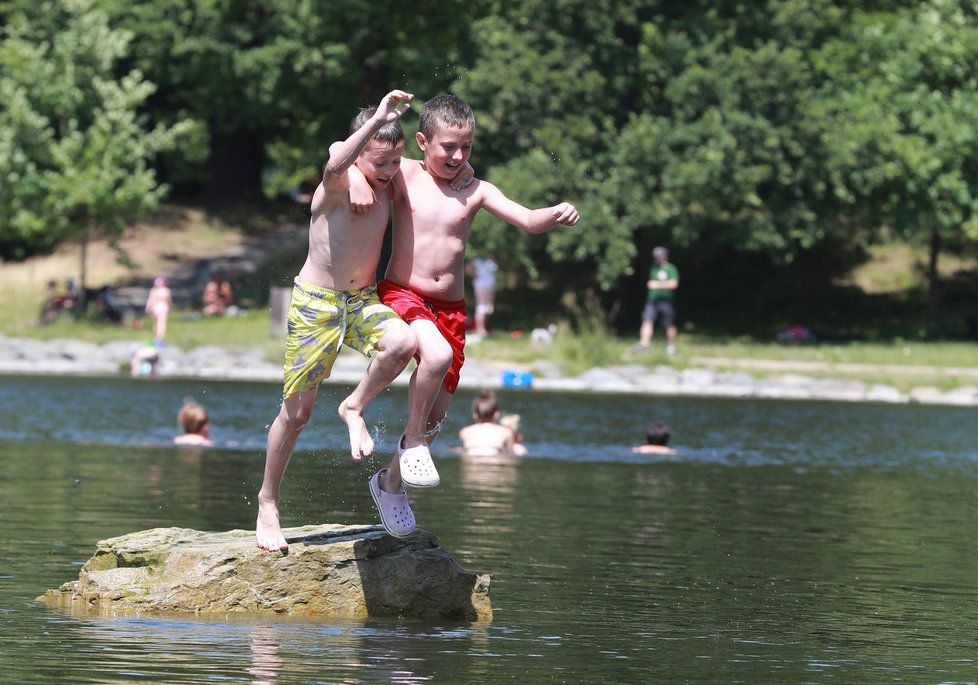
x: 448, y: 317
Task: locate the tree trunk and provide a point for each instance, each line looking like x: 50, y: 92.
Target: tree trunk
x: 235, y: 166
x: 83, y: 270
x: 933, y: 281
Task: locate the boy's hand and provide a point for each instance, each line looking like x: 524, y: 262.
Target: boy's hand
x: 565, y: 214
x: 362, y: 196
x: 463, y: 178
x: 394, y: 104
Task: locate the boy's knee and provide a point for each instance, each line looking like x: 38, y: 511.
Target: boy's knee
x: 400, y: 343
x: 437, y: 355
x: 296, y: 419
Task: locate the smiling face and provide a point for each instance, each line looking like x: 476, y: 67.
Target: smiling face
x: 379, y: 162
x: 447, y: 149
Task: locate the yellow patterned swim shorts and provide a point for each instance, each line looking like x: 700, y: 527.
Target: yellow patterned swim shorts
x: 320, y: 321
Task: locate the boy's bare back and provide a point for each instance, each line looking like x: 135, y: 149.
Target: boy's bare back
x: 486, y: 437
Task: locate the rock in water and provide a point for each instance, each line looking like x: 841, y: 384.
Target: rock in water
x: 329, y: 570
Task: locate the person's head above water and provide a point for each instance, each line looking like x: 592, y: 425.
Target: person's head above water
x: 485, y: 407
x: 657, y: 433
x: 512, y: 422
x: 194, y: 419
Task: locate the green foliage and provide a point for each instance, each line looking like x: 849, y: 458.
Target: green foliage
x: 73, y: 144
x: 287, y: 76
x: 905, y: 137
x: 779, y: 129
x: 587, y: 341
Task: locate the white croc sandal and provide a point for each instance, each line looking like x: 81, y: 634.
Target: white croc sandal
x: 417, y: 469
x: 395, y: 512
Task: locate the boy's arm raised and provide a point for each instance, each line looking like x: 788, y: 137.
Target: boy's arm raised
x: 529, y: 220
x: 344, y: 153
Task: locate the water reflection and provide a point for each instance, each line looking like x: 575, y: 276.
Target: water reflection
x: 266, y: 664
x: 497, y: 473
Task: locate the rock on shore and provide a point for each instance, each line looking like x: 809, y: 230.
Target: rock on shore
x: 329, y: 570
x: 230, y: 362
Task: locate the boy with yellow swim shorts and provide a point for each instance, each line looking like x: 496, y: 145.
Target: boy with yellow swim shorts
x: 335, y: 302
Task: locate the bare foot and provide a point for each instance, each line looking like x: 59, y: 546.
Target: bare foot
x: 361, y: 444
x: 268, y: 531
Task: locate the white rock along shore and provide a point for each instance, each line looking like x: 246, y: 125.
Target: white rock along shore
x: 228, y: 362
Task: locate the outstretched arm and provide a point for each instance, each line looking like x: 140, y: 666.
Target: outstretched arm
x: 344, y: 153
x: 529, y: 220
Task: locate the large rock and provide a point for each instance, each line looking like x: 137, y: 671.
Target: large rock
x: 329, y: 570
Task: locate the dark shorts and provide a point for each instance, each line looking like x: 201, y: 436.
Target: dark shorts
x: 448, y: 317
x: 660, y: 312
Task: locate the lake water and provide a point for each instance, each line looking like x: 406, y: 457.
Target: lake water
x: 790, y: 543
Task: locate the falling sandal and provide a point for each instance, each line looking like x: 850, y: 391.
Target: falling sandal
x: 395, y: 512
x: 417, y: 469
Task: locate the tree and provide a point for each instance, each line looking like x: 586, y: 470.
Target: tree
x: 71, y: 136
x: 271, y: 83
x: 688, y: 124
x: 905, y: 138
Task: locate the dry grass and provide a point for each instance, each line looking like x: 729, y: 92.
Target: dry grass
x: 896, y: 267
x: 172, y: 236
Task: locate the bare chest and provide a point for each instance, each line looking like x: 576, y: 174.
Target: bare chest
x: 439, y: 211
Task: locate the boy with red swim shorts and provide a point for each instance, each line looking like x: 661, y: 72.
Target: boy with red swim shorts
x: 449, y: 318
x: 424, y: 282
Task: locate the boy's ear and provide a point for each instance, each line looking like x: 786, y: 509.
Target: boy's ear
x: 422, y: 141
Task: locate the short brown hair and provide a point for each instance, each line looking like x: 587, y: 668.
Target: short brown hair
x: 192, y: 417
x: 485, y: 406
x: 391, y: 133
x: 449, y: 110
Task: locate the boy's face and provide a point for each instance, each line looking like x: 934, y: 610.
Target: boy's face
x: 447, y: 150
x: 379, y: 162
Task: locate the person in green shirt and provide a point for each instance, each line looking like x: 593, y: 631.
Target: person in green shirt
x: 662, y: 284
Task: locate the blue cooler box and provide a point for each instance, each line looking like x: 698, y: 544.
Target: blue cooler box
x: 517, y: 379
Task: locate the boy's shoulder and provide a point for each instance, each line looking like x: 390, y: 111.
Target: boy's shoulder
x: 413, y: 169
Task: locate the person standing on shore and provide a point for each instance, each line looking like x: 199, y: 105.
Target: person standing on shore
x: 659, y: 308
x: 484, y: 284
x: 158, y: 305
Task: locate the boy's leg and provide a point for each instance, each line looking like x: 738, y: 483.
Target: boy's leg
x: 483, y: 308
x: 159, y: 327
x: 666, y: 314
x: 647, y: 328
x: 428, y: 424
x: 394, y: 351
x: 645, y: 334
x: 435, y: 358
x: 282, y: 436
x: 438, y: 414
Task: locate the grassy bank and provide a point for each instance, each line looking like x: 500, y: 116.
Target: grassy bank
x: 901, y: 364
x: 179, y: 234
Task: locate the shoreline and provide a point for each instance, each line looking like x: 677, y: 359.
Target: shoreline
x: 24, y: 356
